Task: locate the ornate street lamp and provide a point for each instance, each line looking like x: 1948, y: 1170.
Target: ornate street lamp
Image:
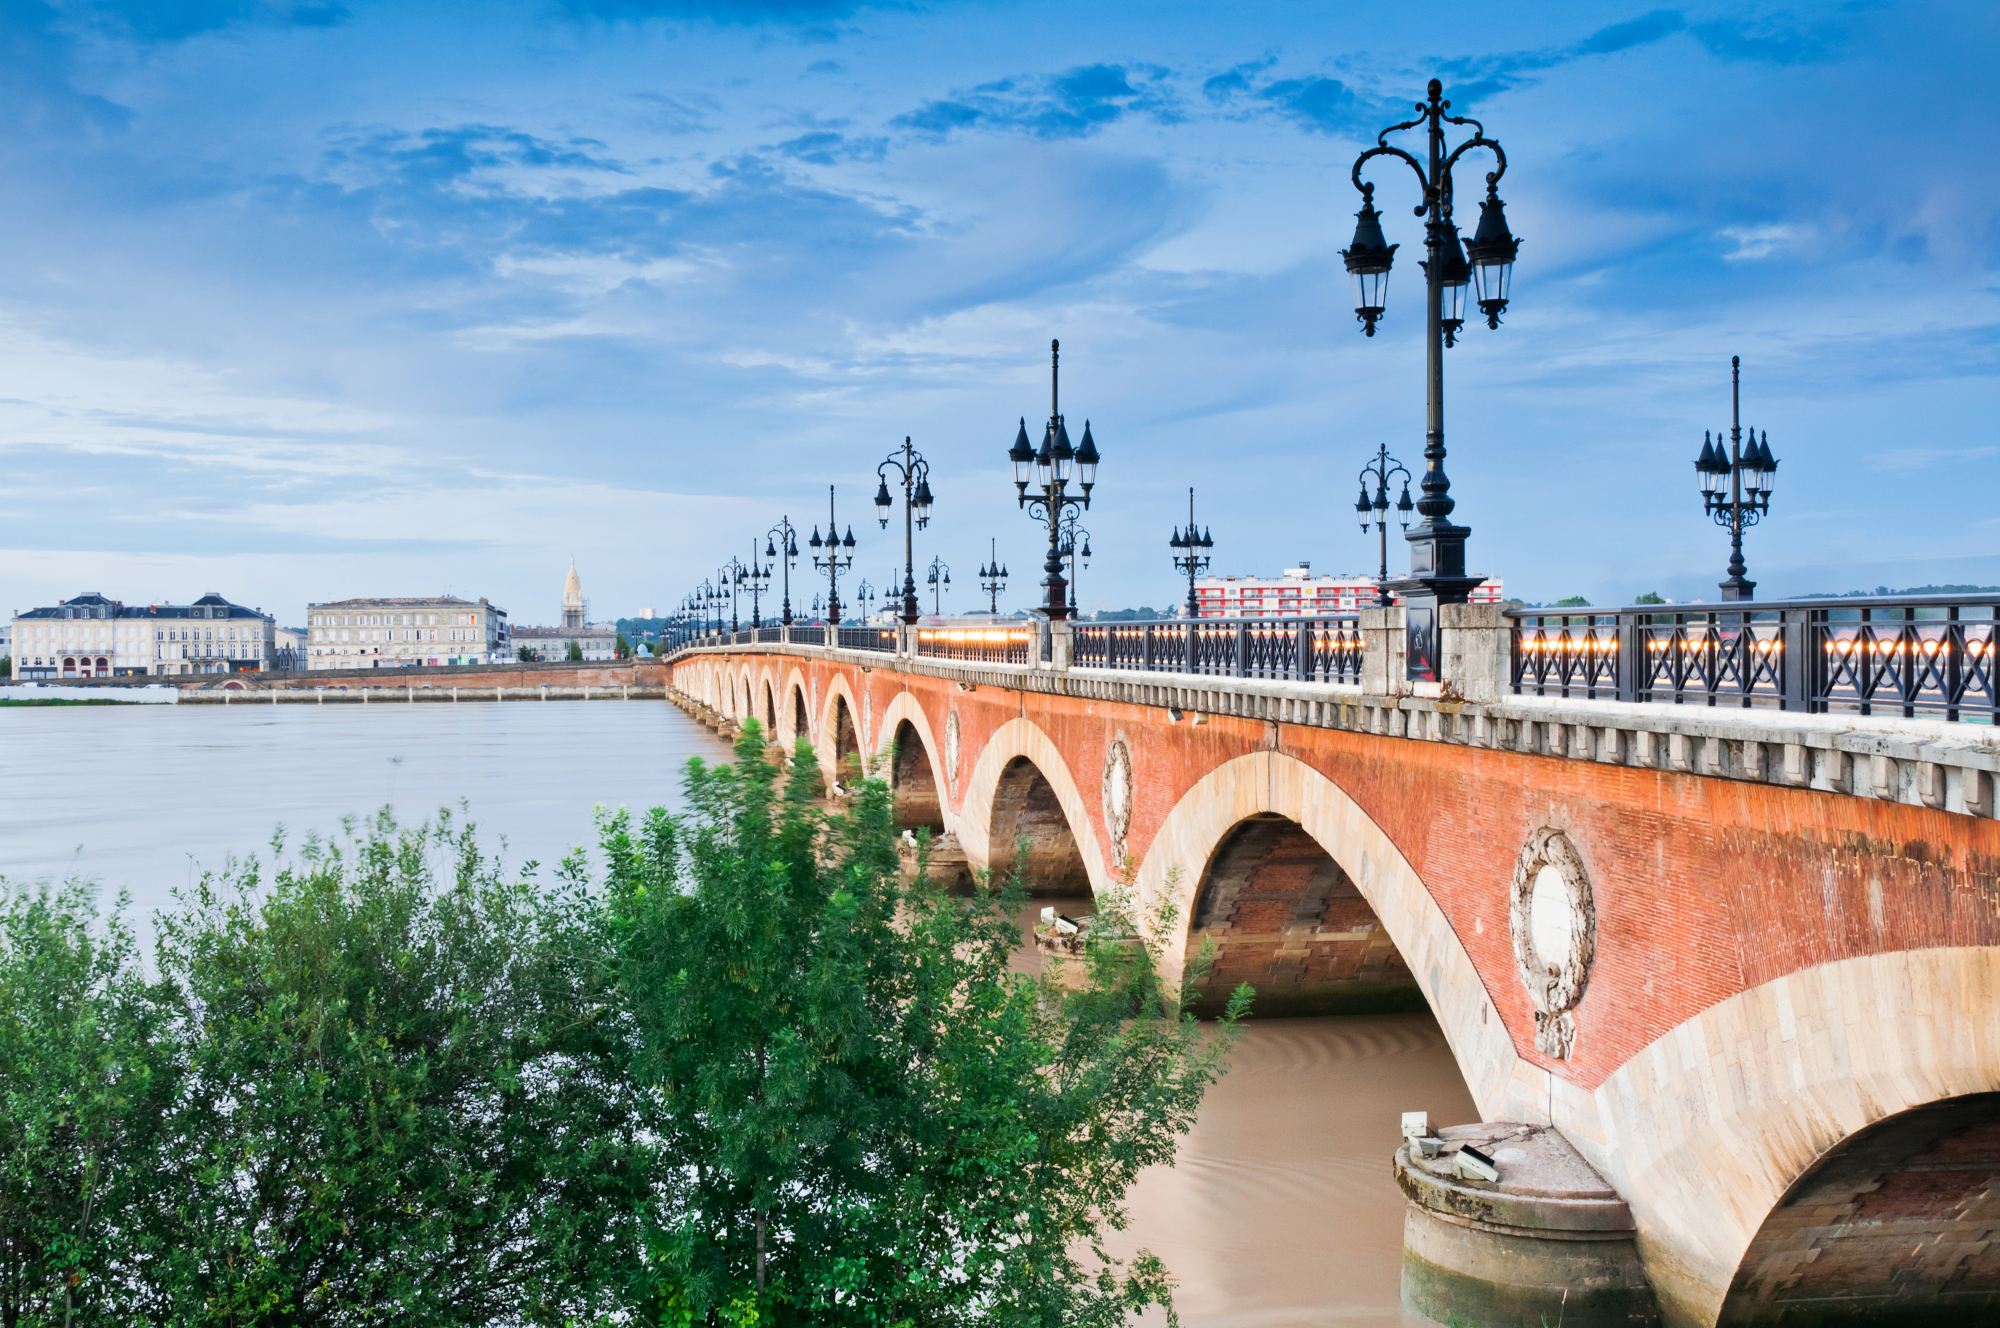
x: 838, y: 558
x: 1076, y: 545
x: 993, y: 576
x: 1052, y: 470
x: 781, y: 546
x: 865, y: 597
x: 1437, y: 547
x: 1192, y: 555
x: 730, y: 575
x: 939, y: 581
x: 758, y: 577
x: 1376, y: 512
x: 1736, y: 484
x: 915, y: 473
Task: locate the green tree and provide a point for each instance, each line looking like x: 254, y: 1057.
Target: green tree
x: 865, y: 1115
x: 6, y: 666
x: 575, y: 652
x: 1573, y: 602
x: 85, y: 1077
x: 403, y: 1101
x: 526, y: 654
x: 624, y: 649
x: 1650, y: 597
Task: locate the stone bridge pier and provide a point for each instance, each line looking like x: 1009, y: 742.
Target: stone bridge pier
x: 1738, y: 969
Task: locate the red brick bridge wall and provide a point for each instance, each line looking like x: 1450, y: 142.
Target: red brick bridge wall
x: 1773, y: 965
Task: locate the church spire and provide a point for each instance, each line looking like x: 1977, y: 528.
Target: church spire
x: 573, y: 607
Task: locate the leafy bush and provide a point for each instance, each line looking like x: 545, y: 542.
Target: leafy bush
x: 757, y: 1074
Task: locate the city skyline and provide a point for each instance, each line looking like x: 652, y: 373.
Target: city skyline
x: 308, y: 298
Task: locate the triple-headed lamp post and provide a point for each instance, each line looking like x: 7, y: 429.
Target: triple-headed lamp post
x: 838, y: 558
x: 993, y: 577
x: 1191, y: 555
x: 939, y: 581
x: 1052, y: 470
x: 758, y: 577
x: 1736, y: 483
x: 1375, y: 511
x: 915, y: 473
x: 1437, y: 547
x: 781, y: 545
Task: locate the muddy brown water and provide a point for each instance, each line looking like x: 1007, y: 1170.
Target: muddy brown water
x: 1280, y: 1209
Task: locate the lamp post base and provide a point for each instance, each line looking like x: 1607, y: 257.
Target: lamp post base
x: 1737, y: 588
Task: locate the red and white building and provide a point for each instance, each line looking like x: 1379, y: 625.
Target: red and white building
x: 1296, y: 592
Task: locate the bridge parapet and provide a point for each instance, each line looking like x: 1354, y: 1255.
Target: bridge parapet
x: 1924, y: 762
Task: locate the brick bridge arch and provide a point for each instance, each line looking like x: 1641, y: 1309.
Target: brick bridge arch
x: 1268, y: 782
x: 998, y: 785
x: 908, y: 753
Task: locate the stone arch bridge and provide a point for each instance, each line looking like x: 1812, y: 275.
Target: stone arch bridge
x: 1743, y: 961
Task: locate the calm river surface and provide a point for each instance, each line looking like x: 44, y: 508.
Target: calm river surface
x: 1281, y: 1210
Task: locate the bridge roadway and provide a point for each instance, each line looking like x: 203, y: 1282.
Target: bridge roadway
x: 1743, y: 960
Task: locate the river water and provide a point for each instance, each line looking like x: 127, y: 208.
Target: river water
x: 1280, y: 1210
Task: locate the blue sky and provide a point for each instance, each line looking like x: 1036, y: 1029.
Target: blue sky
x: 305, y: 300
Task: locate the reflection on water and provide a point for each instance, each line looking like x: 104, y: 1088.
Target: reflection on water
x: 1281, y: 1209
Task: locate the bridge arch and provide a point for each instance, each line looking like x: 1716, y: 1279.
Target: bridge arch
x: 770, y: 715
x: 1001, y: 772
x: 1287, y: 919
x: 914, y: 780
x: 1271, y: 782
x: 799, y: 715
x: 839, y: 729
x: 1713, y: 1133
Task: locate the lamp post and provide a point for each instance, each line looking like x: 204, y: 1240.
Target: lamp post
x: 993, y: 576
x: 1376, y: 511
x: 1751, y: 471
x: 1193, y: 557
x: 865, y: 597
x: 781, y: 545
x: 1437, y: 547
x: 719, y: 596
x: 915, y: 473
x: 1052, y: 470
x: 834, y: 562
x: 1076, y: 544
x: 758, y: 577
x: 939, y: 581
x: 731, y: 575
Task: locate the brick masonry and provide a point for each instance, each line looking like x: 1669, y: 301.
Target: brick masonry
x: 1777, y: 966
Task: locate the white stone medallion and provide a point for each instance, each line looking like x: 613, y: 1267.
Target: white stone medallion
x: 951, y: 752
x: 1555, y: 935
x: 1118, y: 793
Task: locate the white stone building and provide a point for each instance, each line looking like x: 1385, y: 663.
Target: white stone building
x: 94, y: 637
x: 404, y: 633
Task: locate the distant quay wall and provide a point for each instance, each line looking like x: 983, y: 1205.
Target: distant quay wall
x: 555, y: 681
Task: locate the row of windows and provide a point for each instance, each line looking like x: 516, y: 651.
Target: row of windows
x: 396, y: 634
x: 394, y: 619
x: 31, y: 632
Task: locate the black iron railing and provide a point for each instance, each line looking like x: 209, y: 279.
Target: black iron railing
x: 1926, y: 655
x: 769, y: 635
x: 813, y: 634
x: 866, y: 638
x: 1296, y: 649
x: 995, y: 644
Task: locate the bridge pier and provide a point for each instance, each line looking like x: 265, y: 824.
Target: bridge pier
x: 1549, y: 1241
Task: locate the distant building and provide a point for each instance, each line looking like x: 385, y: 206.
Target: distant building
x: 1296, y: 592
x: 553, y: 643
x: 94, y: 637
x: 291, y: 648
x: 404, y: 633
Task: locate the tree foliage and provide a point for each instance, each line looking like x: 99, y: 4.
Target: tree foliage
x: 871, y: 1117
x: 757, y: 1073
